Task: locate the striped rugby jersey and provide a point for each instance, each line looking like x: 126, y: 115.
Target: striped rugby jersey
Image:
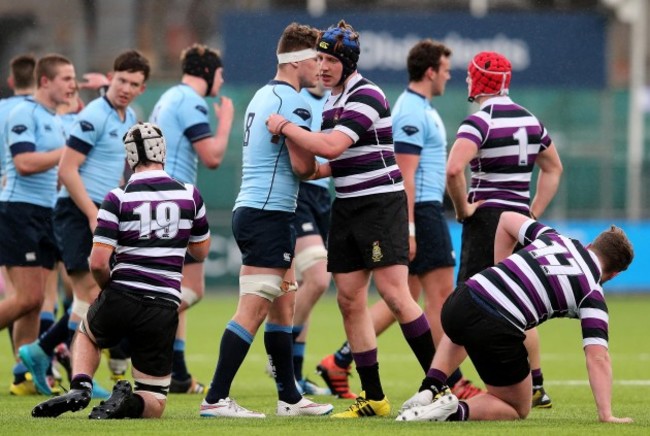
x: 508, y: 138
x: 368, y: 166
x: 552, y: 277
x: 150, y: 223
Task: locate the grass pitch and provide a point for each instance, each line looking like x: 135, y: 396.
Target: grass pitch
x: 573, y: 411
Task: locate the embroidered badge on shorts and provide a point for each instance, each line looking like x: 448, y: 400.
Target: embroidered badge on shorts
x: 377, y: 255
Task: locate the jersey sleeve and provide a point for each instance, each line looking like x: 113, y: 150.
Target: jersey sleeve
x: 594, y: 319
x: 21, y: 130
x: 531, y: 230
x: 200, y: 227
x: 299, y: 112
x: 362, y: 110
x: 409, y: 131
x: 108, y: 224
x: 87, y: 130
x: 474, y: 128
x: 195, y: 122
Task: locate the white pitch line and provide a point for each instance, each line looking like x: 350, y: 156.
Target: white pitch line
x: 586, y: 382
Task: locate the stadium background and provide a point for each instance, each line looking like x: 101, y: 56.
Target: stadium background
x: 572, y: 67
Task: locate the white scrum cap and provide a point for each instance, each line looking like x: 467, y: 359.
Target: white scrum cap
x: 144, y: 142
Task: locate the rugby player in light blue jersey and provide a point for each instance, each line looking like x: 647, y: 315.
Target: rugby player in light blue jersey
x: 34, y: 145
x: 91, y: 165
x: 183, y: 114
x: 23, y: 83
x: 263, y: 226
x: 369, y: 224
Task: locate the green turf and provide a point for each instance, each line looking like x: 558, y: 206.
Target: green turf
x: 573, y: 409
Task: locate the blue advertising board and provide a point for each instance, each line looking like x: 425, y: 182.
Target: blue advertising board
x: 546, y: 49
x: 223, y: 264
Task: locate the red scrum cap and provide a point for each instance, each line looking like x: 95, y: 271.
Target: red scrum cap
x: 490, y: 73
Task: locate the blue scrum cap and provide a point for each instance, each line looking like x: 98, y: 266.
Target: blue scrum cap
x: 342, y: 42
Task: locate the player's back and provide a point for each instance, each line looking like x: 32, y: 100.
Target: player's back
x: 508, y: 138
x: 553, y: 276
x: 150, y: 223
x: 182, y: 115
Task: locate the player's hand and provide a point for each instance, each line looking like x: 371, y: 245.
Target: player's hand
x: 274, y: 122
x: 94, y: 81
x: 616, y: 420
x: 224, y: 112
x: 468, y: 211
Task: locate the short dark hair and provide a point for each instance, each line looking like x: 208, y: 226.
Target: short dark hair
x: 48, y: 66
x: 614, y: 249
x: 426, y: 53
x: 22, y: 70
x: 132, y: 61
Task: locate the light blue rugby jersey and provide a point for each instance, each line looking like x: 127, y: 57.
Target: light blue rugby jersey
x: 32, y: 128
x: 68, y: 121
x: 317, y: 103
x: 182, y: 115
x: 6, y: 105
x: 268, y: 182
x: 98, y: 135
x: 418, y: 129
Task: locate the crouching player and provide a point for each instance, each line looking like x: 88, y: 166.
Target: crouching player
x: 486, y: 318
x: 143, y: 232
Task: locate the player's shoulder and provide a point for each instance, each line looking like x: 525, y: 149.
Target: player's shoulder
x: 96, y: 109
x: 25, y: 105
x: 410, y: 104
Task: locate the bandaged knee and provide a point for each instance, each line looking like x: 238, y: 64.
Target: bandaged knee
x: 307, y: 258
x: 267, y: 286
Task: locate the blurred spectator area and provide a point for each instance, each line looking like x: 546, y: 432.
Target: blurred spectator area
x: 90, y: 32
x: 588, y: 125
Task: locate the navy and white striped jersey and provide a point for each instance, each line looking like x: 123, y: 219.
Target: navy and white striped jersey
x: 508, y: 138
x: 551, y: 277
x: 368, y: 166
x: 150, y: 223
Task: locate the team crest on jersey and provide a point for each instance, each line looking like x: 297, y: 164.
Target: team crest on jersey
x: 113, y: 134
x: 47, y: 128
x: 86, y: 126
x: 377, y: 255
x: 19, y: 129
x: 201, y: 109
x: 302, y: 113
x: 410, y: 130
